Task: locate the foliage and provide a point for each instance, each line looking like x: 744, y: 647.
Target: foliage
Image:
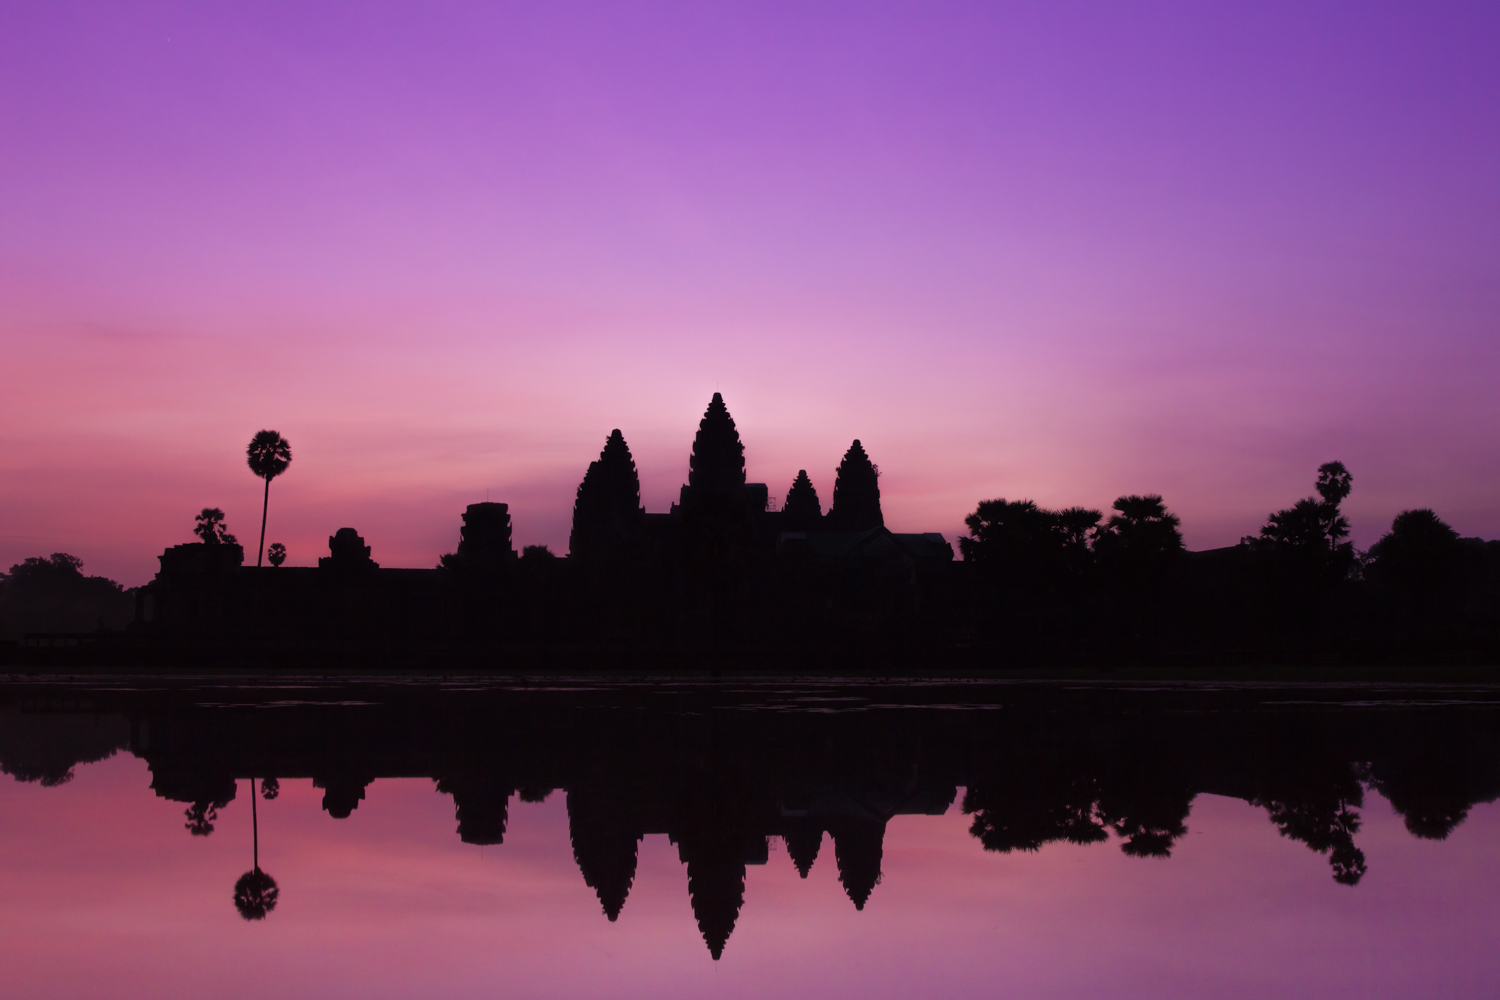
x: 1420, y: 555
x: 210, y: 528
x: 51, y: 594
x: 1141, y: 540
x: 268, y: 454
x: 255, y: 895
x: 1018, y: 541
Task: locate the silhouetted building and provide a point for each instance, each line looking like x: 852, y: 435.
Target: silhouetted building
x: 856, y: 493
x: 348, y: 553
x: 717, y: 464
x: 607, y: 512
x: 485, y: 537
x: 802, y: 511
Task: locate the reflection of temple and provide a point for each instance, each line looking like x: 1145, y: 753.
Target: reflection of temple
x: 722, y: 769
x: 725, y: 567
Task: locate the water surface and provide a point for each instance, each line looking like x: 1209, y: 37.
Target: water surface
x: 472, y: 840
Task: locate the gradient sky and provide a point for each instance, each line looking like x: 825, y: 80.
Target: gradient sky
x: 107, y: 896
x: 1051, y: 250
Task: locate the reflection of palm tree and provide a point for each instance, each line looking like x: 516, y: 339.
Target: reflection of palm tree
x: 269, y: 454
x: 255, y: 893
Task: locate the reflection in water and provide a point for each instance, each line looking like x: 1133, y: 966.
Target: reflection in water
x: 255, y: 893
x: 724, y: 769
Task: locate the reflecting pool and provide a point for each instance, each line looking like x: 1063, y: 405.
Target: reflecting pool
x: 393, y: 839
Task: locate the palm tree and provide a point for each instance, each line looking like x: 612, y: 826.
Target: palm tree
x: 269, y: 455
x: 255, y: 893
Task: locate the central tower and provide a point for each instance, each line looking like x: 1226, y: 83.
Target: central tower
x: 717, y: 466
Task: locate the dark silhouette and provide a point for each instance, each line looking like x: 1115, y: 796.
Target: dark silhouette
x: 1313, y: 530
x: 607, y: 512
x: 210, y: 528
x: 52, y: 595
x: 1420, y: 555
x: 269, y: 454
x: 484, y: 548
x: 858, y: 845
x: 343, y: 789
x: 538, y: 554
x: 720, y: 769
x: 723, y: 580
x: 605, y: 844
x: 1032, y: 568
x: 1142, y: 537
x: 255, y: 893
x: 856, y: 493
x: 481, y: 804
x: 803, y: 838
x: 802, y: 511
x: 717, y: 464
x: 348, y: 553
x: 277, y: 554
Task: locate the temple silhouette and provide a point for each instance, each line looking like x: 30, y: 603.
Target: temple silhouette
x: 723, y: 770
x: 736, y: 578
x: 724, y: 572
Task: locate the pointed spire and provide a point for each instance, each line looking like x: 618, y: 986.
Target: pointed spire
x: 604, y: 847
x: 858, y: 845
x: 716, y: 889
x: 856, y: 493
x: 802, y: 510
x: 803, y: 840
x: 607, y: 509
x: 718, y: 461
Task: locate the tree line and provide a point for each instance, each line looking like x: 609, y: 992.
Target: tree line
x: 1071, y: 581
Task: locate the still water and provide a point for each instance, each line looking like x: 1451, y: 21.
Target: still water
x: 470, y: 839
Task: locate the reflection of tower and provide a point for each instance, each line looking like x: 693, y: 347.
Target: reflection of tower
x: 717, y: 838
x: 858, y: 845
x: 604, y: 845
x: 803, y: 839
x: 716, y: 887
x: 480, y: 804
x: 342, y: 793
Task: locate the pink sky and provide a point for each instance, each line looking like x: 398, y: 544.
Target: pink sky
x: 1052, y: 250
x: 106, y: 895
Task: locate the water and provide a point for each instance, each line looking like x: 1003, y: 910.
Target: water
x: 1237, y: 842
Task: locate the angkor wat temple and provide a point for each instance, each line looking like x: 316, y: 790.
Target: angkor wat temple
x: 726, y: 571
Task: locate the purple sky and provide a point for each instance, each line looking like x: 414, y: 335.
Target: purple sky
x: 1055, y: 250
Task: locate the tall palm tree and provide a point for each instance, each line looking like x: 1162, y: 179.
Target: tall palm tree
x: 255, y: 893
x: 269, y: 455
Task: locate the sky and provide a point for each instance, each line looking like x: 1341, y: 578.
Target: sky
x: 1056, y: 250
